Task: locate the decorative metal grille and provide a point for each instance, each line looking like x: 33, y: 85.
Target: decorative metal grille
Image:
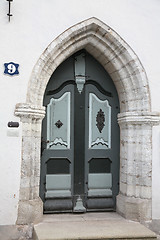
x: 58, y: 124
x: 100, y: 119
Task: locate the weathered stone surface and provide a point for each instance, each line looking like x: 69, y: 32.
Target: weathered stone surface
x: 90, y: 226
x: 154, y: 225
x: 16, y: 232
x: 30, y: 211
x: 136, y: 209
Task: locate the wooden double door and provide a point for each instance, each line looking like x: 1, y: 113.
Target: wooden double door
x: 80, y: 138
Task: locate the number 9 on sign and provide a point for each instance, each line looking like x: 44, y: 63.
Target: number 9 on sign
x: 11, y: 68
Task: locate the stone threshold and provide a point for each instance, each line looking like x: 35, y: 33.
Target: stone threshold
x: 89, y: 226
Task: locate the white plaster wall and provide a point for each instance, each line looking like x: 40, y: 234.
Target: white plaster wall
x: 10, y: 150
x: 33, y: 26
x: 156, y: 173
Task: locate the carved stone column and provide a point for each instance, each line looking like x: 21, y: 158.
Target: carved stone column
x: 135, y: 198
x: 30, y: 208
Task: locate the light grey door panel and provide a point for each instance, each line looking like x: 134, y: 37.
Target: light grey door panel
x: 58, y: 122
x: 58, y: 185
x: 99, y: 185
x: 99, y: 123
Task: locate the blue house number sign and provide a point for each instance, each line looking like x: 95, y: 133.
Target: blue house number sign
x: 11, y: 68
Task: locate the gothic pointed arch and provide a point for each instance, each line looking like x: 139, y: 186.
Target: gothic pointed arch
x: 109, y: 49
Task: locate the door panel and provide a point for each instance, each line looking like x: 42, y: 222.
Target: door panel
x: 80, y: 138
x: 58, y: 122
x: 57, y: 156
x: 98, y: 154
x: 58, y: 185
x: 99, y: 123
x: 99, y: 185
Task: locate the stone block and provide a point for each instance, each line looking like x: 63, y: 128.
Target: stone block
x: 135, y: 209
x: 154, y: 225
x: 30, y: 211
x: 24, y: 193
x: 16, y: 232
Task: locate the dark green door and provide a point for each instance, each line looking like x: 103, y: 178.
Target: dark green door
x: 80, y: 138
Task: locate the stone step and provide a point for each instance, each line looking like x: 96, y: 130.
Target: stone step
x: 90, y: 226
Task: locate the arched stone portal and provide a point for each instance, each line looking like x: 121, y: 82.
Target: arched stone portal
x: 135, y: 119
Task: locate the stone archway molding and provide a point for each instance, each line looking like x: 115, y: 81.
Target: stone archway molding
x: 136, y: 119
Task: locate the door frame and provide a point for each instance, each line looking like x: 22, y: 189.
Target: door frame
x: 129, y: 77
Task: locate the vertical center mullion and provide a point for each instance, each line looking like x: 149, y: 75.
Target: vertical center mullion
x: 79, y: 127
x: 79, y: 143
